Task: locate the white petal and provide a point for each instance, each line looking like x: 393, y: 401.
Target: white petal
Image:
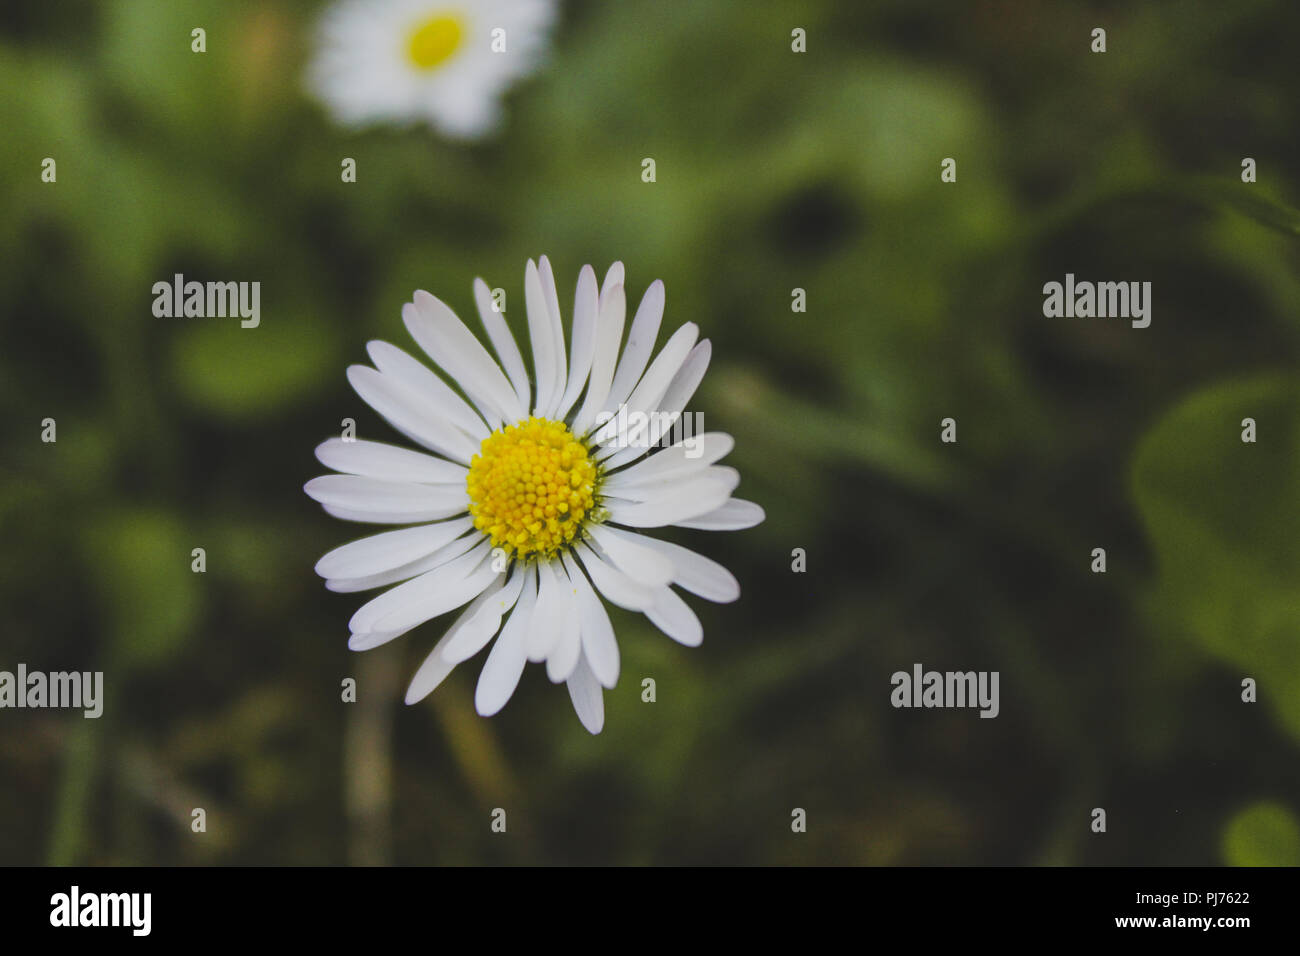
x: 506, y: 348
x: 432, y: 672
x: 407, y: 413
x: 700, y: 575
x: 374, y: 459
x: 668, y: 414
x: 452, y: 596
x: 392, y: 549
x: 438, y: 665
x: 687, y: 456
x: 586, y: 303
x: 599, y: 645
x: 549, y: 620
x: 616, y: 586
x: 440, y: 600
x: 613, y: 277
x: 675, y: 618
x: 609, y: 332
x: 505, y: 663
x: 735, y: 515
x: 645, y: 397
x: 487, y: 620
x: 588, y: 699
x: 379, y: 579
x: 440, y: 579
x: 658, y: 490
x: 455, y: 361
x: 546, y: 362
x: 449, y: 343
x: 563, y: 655
x: 557, y: 331
x: 679, y: 502
x: 421, y: 380
x: 640, y: 343
x: 641, y: 563
x: 388, y: 502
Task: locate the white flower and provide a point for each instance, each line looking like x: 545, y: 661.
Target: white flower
x: 530, y: 519
x: 444, y: 62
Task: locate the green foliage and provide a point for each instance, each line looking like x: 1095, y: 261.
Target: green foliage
x: 217, y: 371
x: 1224, y: 524
x: 140, y: 560
x: 776, y: 171
x: 1263, y: 834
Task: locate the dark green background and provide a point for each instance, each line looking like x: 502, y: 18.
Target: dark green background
x: 775, y: 170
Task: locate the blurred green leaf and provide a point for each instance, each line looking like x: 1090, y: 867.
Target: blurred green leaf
x: 1265, y: 834
x: 1253, y: 203
x: 1222, y: 517
x: 239, y: 374
x: 142, y: 565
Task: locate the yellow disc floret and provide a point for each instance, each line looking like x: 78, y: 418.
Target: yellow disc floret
x: 434, y: 41
x: 530, y: 487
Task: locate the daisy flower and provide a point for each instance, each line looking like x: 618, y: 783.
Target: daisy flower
x: 528, y: 507
x: 444, y: 62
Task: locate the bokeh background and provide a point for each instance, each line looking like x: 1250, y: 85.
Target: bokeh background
x: 775, y: 170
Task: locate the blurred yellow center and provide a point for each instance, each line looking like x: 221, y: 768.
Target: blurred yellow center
x: 434, y: 41
x: 530, y: 486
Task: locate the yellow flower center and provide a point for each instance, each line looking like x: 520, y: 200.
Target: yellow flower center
x: 530, y: 486
x: 434, y: 41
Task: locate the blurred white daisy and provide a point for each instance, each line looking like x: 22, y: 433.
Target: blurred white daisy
x: 526, y: 507
x: 444, y: 62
